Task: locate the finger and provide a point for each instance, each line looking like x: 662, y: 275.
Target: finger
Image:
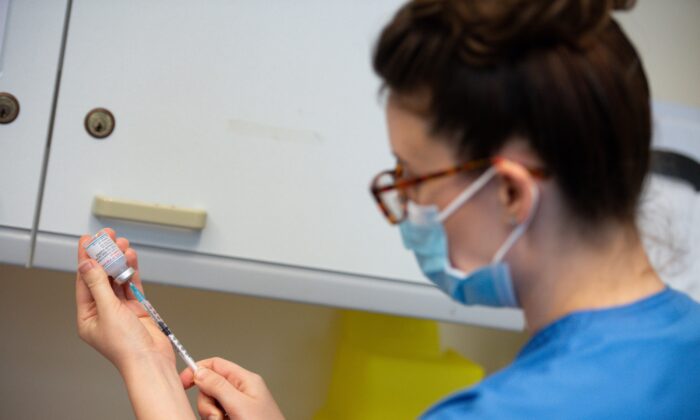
x: 132, y: 261
x: 140, y: 312
x: 119, y: 290
x: 187, y: 378
x: 97, y: 282
x: 83, y: 298
x: 82, y: 293
x: 122, y: 243
x: 216, y: 386
x: 243, y: 379
x: 82, y: 254
x: 112, y: 234
x: 208, y: 408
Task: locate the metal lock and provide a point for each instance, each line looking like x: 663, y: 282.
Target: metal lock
x: 9, y: 108
x: 99, y: 123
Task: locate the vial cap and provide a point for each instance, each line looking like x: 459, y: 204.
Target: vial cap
x: 125, y: 276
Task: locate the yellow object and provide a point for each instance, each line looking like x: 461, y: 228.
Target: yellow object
x: 149, y: 213
x: 389, y: 367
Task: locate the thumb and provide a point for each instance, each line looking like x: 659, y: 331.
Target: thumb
x: 95, y: 278
x: 216, y: 386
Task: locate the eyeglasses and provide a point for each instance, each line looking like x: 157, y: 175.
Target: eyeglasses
x: 390, y: 189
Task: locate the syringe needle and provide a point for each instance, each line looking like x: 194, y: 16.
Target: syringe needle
x: 163, y: 327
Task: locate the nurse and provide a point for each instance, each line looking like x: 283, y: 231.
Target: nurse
x: 521, y: 130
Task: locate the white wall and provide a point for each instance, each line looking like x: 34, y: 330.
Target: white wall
x: 667, y: 35
x: 48, y: 372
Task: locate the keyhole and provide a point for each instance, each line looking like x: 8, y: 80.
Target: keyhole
x: 99, y: 123
x: 4, y: 112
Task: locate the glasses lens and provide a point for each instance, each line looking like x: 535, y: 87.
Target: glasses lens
x: 393, y: 200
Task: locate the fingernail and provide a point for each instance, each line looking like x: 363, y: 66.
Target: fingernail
x: 85, y: 266
x: 214, y: 417
x: 200, y: 373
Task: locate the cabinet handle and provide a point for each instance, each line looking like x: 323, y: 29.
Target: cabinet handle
x: 149, y: 213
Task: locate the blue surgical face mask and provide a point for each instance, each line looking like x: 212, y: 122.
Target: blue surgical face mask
x: 424, y: 234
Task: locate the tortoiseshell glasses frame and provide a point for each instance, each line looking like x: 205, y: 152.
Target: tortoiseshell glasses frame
x: 399, y: 186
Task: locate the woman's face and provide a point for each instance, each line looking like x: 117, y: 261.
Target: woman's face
x: 477, y: 228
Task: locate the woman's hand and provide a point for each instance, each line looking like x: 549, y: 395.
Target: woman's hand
x: 228, y: 389
x: 110, y: 318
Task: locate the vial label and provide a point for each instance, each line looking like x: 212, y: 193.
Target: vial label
x: 103, y: 249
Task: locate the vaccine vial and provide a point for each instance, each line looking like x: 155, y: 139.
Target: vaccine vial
x: 103, y: 250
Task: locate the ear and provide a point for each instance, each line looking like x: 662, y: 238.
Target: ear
x: 515, y: 190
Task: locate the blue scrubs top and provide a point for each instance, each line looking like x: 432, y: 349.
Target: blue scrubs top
x: 638, y: 361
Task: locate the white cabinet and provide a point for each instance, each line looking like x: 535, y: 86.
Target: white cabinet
x: 30, y: 44
x: 264, y: 115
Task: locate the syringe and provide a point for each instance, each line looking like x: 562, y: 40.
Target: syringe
x: 163, y: 327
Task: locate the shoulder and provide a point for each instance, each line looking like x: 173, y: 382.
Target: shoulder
x: 687, y: 307
x: 587, y: 369
x: 622, y: 386
x: 512, y: 393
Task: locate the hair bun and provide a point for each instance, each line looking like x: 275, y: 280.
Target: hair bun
x: 487, y: 29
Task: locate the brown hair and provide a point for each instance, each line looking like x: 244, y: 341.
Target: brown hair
x: 560, y: 73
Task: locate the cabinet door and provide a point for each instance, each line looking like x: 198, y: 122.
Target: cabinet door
x: 264, y: 115
x: 30, y: 43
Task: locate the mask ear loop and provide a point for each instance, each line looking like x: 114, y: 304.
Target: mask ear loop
x: 520, y: 229
x: 468, y: 193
